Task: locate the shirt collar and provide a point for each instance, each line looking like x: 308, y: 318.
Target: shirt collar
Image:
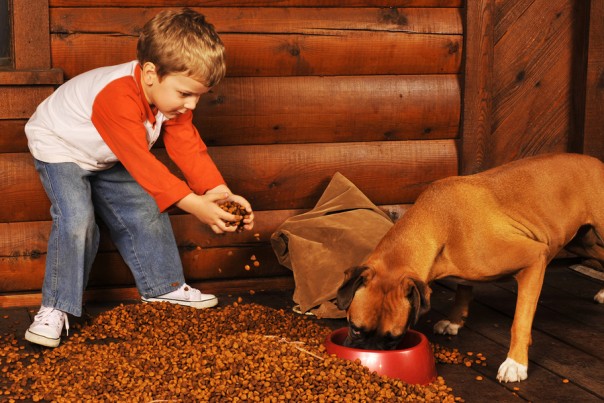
x: 137, y: 79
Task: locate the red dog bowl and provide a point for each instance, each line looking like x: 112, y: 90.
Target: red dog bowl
x: 412, y: 361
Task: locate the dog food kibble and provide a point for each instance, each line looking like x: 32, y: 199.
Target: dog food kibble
x: 237, y: 210
x: 165, y: 352
x: 453, y: 356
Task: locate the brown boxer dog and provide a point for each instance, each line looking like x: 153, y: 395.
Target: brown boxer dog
x: 508, y: 221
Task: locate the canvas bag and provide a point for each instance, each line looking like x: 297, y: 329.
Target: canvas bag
x: 319, y: 245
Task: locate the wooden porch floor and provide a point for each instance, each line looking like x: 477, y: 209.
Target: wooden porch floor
x: 566, y: 358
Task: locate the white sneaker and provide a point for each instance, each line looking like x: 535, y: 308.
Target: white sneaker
x: 186, y: 295
x: 47, y: 327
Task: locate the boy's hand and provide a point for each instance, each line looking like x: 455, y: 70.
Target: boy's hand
x: 248, y: 219
x: 207, y: 209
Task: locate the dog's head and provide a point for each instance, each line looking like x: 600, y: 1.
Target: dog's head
x: 380, y: 308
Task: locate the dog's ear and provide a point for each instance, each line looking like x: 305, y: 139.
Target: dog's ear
x: 354, y: 277
x: 418, y: 294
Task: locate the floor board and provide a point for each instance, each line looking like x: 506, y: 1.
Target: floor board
x: 566, y: 358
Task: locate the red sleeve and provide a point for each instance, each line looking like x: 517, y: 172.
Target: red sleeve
x: 119, y: 115
x: 188, y: 151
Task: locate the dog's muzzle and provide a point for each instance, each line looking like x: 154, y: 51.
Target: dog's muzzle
x: 373, y: 342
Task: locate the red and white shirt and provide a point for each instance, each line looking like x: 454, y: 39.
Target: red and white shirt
x: 102, y: 116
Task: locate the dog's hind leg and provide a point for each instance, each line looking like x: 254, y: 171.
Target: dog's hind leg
x: 459, y: 312
x: 588, y: 243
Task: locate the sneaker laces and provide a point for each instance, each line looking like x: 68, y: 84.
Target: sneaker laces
x: 45, y: 315
x: 191, y: 293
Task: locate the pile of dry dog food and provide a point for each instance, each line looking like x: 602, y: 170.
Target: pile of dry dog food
x: 163, y: 352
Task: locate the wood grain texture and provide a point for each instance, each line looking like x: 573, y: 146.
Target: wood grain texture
x: 285, y: 54
x: 263, y: 110
x: 593, y: 141
x: 260, y: 3
x: 19, y: 102
x: 29, y: 239
x: 274, y: 177
x: 30, y: 27
x: 478, y: 86
x: 19, y: 274
x: 31, y: 77
x: 266, y: 20
x: 205, y: 255
x: 12, y: 136
x: 294, y: 176
x: 532, y: 76
x: 121, y: 294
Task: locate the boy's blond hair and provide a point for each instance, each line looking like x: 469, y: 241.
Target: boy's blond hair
x: 182, y: 42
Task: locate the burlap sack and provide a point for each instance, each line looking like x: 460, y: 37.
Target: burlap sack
x: 319, y: 245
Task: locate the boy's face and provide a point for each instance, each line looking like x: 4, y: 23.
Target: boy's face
x: 173, y: 94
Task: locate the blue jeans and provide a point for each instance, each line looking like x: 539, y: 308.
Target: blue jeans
x: 142, y: 234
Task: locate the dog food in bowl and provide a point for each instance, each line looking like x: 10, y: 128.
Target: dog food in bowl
x: 412, y: 361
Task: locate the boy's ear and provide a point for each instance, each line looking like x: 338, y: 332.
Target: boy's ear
x: 149, y: 73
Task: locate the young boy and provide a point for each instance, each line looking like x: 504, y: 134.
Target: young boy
x: 91, y: 143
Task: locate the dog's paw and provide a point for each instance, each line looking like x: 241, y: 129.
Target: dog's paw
x: 599, y: 297
x: 446, y: 327
x: 511, y: 371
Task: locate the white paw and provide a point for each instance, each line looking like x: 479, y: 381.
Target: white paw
x: 511, y: 371
x: 446, y: 327
x: 600, y: 296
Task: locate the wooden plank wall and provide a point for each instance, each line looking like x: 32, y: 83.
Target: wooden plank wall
x: 593, y: 142
x: 525, y: 79
x: 367, y: 88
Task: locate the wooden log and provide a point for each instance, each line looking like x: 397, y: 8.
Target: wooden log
x: 31, y: 77
x: 12, y: 136
x: 261, y: 3
x: 29, y: 239
x: 338, y: 53
x: 265, y: 20
x: 294, y: 176
x: 119, y: 294
x: 19, y: 274
x: 264, y: 110
x: 276, y: 176
x: 20, y: 183
x: 205, y: 255
x: 19, y: 102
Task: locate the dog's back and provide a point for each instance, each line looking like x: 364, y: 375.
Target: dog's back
x: 486, y: 218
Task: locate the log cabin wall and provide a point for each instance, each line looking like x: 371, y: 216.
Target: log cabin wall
x: 393, y: 95
x: 528, y: 88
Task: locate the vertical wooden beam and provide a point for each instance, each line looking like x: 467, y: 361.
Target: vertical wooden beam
x: 593, y: 139
x: 31, y: 39
x: 477, y: 95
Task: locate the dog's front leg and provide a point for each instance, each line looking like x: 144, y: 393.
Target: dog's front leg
x: 530, y: 281
x: 459, y: 312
